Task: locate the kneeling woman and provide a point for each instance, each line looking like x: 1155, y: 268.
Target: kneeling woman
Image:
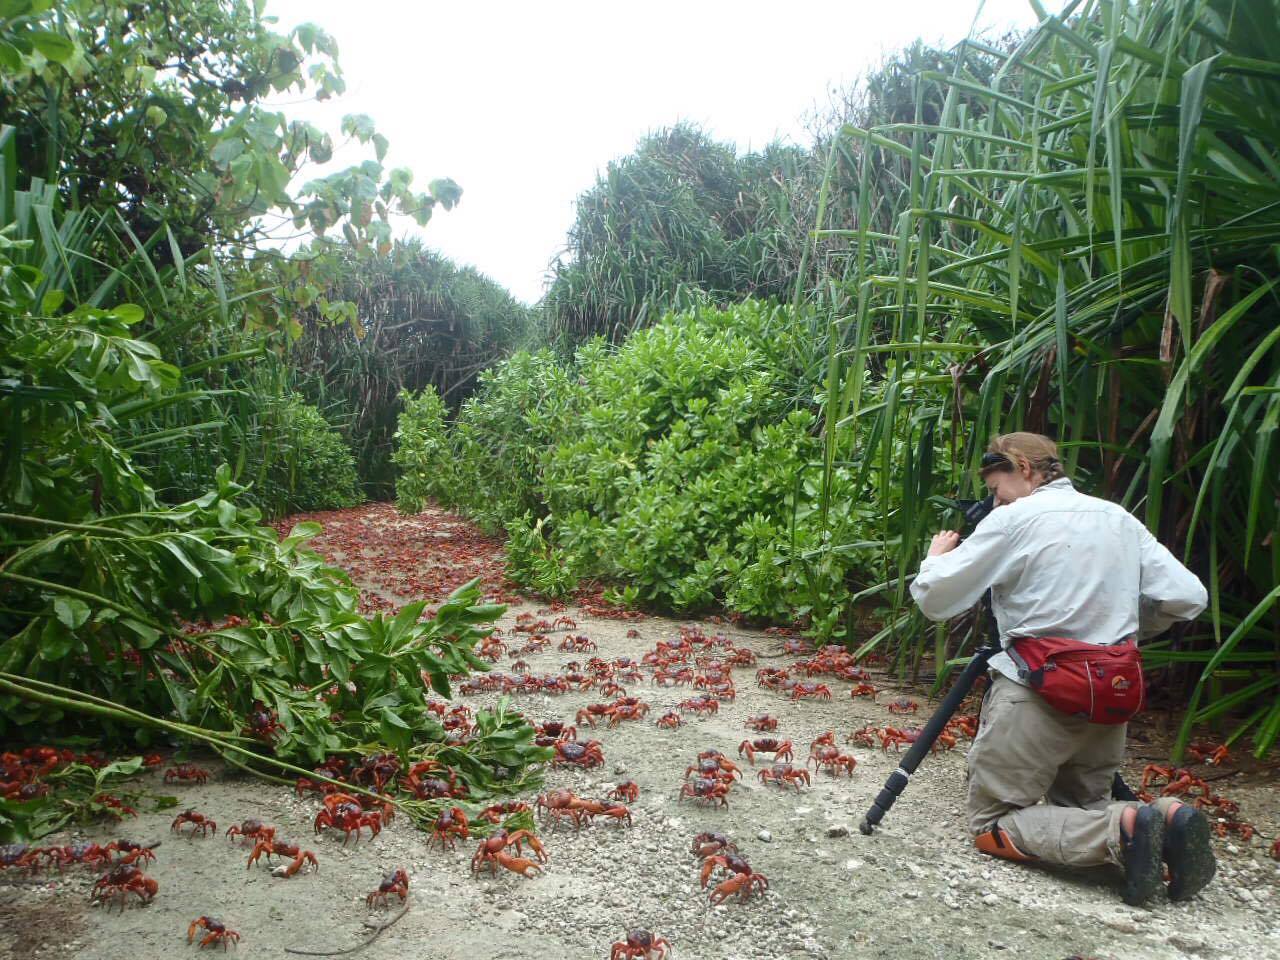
x: 1065, y: 571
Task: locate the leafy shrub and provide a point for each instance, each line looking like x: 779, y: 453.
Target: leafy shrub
x: 535, y: 563
x: 674, y: 466
x: 111, y: 598
x: 680, y: 475
x: 502, y: 433
x: 312, y: 466
x: 424, y: 452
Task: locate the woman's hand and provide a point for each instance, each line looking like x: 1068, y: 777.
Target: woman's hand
x: 944, y: 542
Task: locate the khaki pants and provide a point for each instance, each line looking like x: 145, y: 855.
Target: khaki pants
x: 1026, y: 750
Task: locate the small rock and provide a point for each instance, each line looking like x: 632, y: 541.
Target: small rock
x: 765, y: 836
x: 1187, y: 944
x: 1232, y: 848
x: 990, y: 899
x: 619, y: 768
x: 840, y: 830
x: 1120, y: 924
x: 911, y: 894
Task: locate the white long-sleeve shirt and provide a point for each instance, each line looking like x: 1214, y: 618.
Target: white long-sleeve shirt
x: 1061, y: 564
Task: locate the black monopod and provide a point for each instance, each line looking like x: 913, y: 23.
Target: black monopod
x: 973, y: 511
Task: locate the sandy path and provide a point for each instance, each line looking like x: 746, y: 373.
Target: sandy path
x: 915, y: 889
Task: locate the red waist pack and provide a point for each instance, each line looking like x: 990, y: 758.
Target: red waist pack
x: 1101, y: 684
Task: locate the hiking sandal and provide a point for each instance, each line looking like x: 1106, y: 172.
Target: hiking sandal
x: 1188, y: 852
x: 1142, y: 852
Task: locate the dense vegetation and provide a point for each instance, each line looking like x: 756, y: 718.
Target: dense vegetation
x: 750, y: 380
x: 153, y: 412
x: 674, y: 465
x: 376, y: 325
x: 1070, y: 231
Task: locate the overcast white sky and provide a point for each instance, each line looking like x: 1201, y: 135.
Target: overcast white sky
x: 523, y: 103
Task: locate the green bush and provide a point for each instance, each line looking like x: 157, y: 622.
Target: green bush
x: 537, y: 564
x: 424, y: 452
x: 681, y: 474
x: 311, y: 467
x: 522, y: 408
x: 682, y: 466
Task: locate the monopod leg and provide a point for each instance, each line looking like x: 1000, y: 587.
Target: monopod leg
x: 898, y: 780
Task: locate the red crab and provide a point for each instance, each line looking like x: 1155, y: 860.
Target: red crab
x: 198, y: 820
x: 554, y: 730
x: 451, y: 823
x: 377, y: 770
x: 598, y: 808
x: 498, y: 812
x: 818, y: 690
x: 741, y: 882
x: 1224, y: 827
x: 130, y: 852
x: 577, y: 644
x: 706, y: 790
x: 627, y: 790
x: 587, y: 754
x: 700, y: 705
x: 434, y: 788
x: 627, y: 708
x: 865, y: 737
x: 252, y: 830
x: 186, y: 772
x: 24, y: 857
x: 903, y: 705
x: 717, y: 765
x: 114, y: 806
x: 560, y: 804
x: 119, y: 882
x: 864, y: 690
x: 771, y: 677
x: 670, y: 720
x: 396, y: 882
x: 663, y: 677
x: 781, y: 749
x: 709, y: 844
x: 492, y: 850
x: 784, y: 773
x: 896, y: 737
x: 833, y: 760
x: 218, y: 932
x: 642, y: 944
x: 763, y: 723
x: 343, y: 812
x: 1202, y: 751
x: 89, y: 853
x: 284, y: 848
x: 593, y: 712
x: 261, y: 723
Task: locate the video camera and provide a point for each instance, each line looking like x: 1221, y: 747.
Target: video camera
x: 973, y: 511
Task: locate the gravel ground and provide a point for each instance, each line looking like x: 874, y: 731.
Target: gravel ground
x: 915, y: 889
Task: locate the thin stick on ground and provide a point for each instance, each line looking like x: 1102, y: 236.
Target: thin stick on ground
x: 358, y: 947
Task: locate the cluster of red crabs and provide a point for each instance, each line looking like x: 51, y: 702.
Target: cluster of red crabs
x: 354, y: 793
x: 126, y: 859
x: 1184, y: 784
